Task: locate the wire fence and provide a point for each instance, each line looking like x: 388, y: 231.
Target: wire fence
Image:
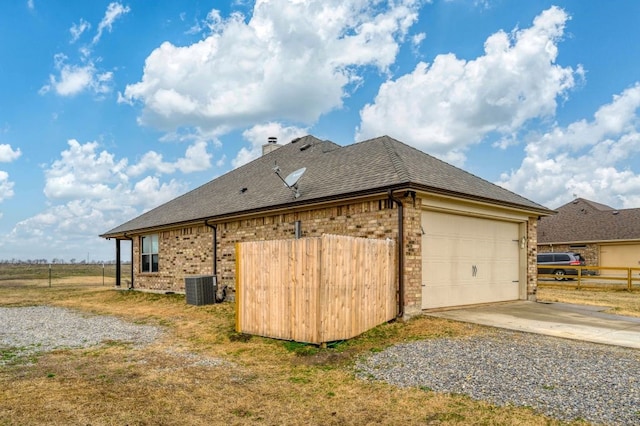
x: 61, y: 274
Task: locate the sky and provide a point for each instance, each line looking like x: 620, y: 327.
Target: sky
x: 111, y: 108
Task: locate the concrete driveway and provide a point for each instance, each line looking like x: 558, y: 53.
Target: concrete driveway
x: 579, y: 322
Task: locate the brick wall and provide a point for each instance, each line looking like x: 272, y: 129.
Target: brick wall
x: 182, y: 252
x: 189, y: 251
x: 412, y: 257
x: 532, y: 254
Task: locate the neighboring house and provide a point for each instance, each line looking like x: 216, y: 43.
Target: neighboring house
x: 461, y: 239
x: 603, y: 235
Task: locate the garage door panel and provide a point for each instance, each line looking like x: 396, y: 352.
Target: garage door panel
x: 468, y: 260
x: 459, y: 295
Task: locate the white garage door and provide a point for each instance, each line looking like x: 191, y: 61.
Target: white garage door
x: 468, y: 260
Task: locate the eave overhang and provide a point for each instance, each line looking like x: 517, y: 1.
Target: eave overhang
x: 381, y: 192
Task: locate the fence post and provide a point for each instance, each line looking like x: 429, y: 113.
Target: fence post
x: 49, y: 275
x: 629, y: 276
x: 103, y: 274
x: 579, y: 277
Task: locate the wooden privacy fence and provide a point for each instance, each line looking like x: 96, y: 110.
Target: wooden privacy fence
x: 315, y: 290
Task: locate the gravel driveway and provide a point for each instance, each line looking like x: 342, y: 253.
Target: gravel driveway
x: 561, y: 378
x: 35, y: 329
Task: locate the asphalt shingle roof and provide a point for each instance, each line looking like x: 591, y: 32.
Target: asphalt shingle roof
x: 582, y: 221
x: 332, y: 172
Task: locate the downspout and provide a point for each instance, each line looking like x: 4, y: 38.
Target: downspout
x: 400, y: 254
x: 130, y: 239
x: 215, y: 261
x: 215, y: 247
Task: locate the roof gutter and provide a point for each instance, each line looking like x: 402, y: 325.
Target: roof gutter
x: 400, y: 253
x: 608, y: 242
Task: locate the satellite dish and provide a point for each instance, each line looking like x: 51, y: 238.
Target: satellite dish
x: 292, y: 180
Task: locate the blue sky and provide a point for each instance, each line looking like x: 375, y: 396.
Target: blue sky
x: 108, y: 109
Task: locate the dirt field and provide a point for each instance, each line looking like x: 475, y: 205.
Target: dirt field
x: 202, y: 372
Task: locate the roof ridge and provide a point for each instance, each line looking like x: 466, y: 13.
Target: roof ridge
x: 398, y: 163
x: 596, y: 205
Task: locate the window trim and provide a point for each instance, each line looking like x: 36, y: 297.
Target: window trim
x: 151, y: 264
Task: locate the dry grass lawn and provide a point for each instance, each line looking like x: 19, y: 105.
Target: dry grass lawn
x: 620, y: 302
x: 202, y: 373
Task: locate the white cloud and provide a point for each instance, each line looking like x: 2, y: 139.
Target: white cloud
x: 151, y: 161
x: 6, y: 186
x: 83, y: 173
x: 8, y: 154
x: 113, y: 12
x: 89, y: 192
x: 295, y: 62
x: 258, y: 136
x: 417, y: 39
x: 74, y: 79
x: 196, y: 158
x: 71, y: 79
x: 31, y: 5
x: 78, y: 29
x: 592, y: 159
x: 446, y: 106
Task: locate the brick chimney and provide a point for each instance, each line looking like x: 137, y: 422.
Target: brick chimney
x: 271, y: 145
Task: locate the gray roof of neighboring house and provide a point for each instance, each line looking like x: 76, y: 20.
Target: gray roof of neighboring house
x: 582, y: 221
x: 333, y: 172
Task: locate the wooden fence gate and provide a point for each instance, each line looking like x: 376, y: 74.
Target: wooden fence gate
x: 315, y: 290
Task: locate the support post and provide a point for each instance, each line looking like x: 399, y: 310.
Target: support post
x: 131, y: 287
x: 118, y: 267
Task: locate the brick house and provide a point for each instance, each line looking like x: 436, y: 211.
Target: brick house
x: 603, y: 235
x: 461, y: 240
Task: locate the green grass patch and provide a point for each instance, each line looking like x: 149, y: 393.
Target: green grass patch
x: 9, y: 355
x: 301, y: 349
x: 302, y: 380
x: 18, y: 355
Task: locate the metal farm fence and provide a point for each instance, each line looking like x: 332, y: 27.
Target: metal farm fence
x: 61, y: 274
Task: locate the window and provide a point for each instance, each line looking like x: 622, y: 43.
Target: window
x: 150, y: 253
x: 545, y: 258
